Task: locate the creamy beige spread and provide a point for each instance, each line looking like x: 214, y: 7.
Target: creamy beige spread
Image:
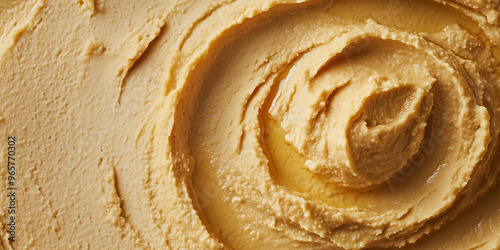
x: 266, y: 124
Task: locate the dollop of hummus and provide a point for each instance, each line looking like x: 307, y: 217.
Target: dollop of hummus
x: 267, y: 124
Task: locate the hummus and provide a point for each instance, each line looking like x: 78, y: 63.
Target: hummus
x: 267, y: 124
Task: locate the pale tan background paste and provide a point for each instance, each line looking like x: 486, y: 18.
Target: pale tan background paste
x: 251, y: 124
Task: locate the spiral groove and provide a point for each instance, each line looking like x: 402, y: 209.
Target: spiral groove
x: 335, y: 130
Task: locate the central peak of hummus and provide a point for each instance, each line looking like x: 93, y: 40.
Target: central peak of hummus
x: 357, y: 117
x: 378, y: 136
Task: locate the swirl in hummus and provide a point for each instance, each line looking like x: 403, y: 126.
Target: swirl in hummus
x: 254, y: 124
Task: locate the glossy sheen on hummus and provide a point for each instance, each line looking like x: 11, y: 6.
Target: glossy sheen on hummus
x: 251, y: 124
